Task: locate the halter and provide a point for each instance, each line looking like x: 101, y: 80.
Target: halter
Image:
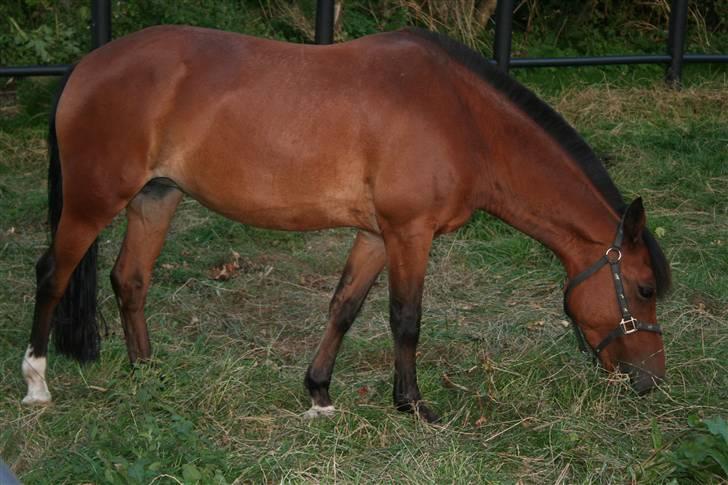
x: 629, y: 324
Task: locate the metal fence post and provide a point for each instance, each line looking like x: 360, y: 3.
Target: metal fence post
x: 503, y: 33
x: 100, y: 22
x: 676, y: 41
x: 325, y: 22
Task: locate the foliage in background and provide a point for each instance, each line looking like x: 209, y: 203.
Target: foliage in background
x: 608, y: 27
x: 42, y: 31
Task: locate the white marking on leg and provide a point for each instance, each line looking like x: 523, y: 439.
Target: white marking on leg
x: 317, y: 411
x: 34, y: 373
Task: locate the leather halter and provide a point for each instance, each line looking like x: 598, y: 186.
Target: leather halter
x: 629, y: 324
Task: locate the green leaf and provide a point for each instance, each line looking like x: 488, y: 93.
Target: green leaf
x: 656, y: 435
x: 721, y: 459
x: 717, y: 426
x: 21, y: 32
x: 190, y: 473
x: 109, y: 476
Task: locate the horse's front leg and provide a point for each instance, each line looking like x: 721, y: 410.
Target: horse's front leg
x: 365, y: 262
x: 408, y: 251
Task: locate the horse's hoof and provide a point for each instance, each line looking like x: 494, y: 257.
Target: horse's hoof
x: 37, y: 398
x: 421, y: 410
x: 427, y: 415
x: 319, y: 412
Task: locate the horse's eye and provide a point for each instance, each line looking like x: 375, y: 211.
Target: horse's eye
x: 646, y: 292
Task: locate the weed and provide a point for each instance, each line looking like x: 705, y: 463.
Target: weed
x: 699, y: 453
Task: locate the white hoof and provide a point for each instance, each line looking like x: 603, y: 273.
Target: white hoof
x: 34, y: 373
x: 37, y: 398
x: 319, y: 412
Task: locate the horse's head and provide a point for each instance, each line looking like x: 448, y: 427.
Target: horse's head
x: 613, y: 303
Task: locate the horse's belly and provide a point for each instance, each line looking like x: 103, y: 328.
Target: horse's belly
x: 286, y: 210
x: 302, y: 217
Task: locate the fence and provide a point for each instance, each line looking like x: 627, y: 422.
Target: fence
x: 675, y: 57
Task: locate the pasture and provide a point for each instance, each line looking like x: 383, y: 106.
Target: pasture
x: 235, y: 314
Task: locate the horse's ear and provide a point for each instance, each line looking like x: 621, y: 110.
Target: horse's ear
x: 634, y: 221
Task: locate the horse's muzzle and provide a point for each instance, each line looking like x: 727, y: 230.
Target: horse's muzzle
x: 642, y: 380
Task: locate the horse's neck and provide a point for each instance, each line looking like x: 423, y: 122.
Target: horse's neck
x: 529, y: 181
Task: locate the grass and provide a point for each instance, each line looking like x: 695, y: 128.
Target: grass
x: 223, y: 399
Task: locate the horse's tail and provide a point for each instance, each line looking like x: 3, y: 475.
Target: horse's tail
x: 76, y: 331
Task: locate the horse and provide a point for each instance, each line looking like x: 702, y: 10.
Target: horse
x: 400, y: 135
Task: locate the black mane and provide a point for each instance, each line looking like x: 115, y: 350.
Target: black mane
x: 557, y: 128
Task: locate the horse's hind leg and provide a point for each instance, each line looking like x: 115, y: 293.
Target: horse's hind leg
x: 149, y: 215
x: 365, y: 262
x: 53, y: 272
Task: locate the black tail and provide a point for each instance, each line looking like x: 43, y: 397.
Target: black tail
x: 76, y: 332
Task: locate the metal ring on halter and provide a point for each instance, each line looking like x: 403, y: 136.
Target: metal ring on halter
x: 629, y: 325
x: 611, y: 251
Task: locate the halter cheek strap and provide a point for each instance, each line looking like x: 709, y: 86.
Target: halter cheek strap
x: 628, y: 324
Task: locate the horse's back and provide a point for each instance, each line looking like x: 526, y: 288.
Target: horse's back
x: 270, y: 133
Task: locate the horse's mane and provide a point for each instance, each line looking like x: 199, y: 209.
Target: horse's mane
x: 556, y: 127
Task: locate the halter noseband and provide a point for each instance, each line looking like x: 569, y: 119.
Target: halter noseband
x: 628, y: 324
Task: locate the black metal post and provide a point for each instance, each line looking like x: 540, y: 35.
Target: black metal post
x: 100, y: 22
x: 37, y: 70
x: 503, y: 33
x: 325, y: 22
x: 676, y: 41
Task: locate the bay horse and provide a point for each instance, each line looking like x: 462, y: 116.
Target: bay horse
x: 401, y: 135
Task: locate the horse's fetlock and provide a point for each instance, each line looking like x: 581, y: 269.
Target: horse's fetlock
x: 317, y: 379
x: 317, y: 383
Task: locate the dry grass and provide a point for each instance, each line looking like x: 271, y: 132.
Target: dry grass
x: 466, y: 20
x: 657, y: 103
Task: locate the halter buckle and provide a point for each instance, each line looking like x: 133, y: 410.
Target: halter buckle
x: 629, y: 325
x: 614, y: 255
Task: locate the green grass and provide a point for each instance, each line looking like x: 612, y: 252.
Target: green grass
x: 223, y: 399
